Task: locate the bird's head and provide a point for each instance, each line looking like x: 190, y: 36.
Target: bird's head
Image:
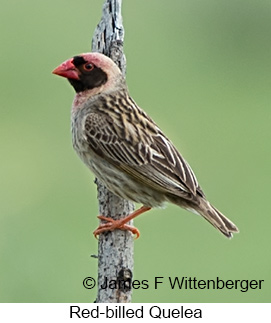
x: 91, y: 71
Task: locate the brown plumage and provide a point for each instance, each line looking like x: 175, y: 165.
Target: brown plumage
x: 125, y: 148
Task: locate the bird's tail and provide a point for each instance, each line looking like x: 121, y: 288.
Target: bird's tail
x: 216, y: 218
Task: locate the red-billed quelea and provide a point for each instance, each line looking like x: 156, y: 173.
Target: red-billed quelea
x: 125, y: 148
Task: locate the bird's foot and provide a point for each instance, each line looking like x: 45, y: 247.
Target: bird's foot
x: 112, y: 225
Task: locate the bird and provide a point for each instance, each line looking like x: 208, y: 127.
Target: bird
x: 125, y: 148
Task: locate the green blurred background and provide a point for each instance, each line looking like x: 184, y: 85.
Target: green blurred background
x: 202, y: 70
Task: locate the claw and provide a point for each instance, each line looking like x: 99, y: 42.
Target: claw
x: 112, y: 225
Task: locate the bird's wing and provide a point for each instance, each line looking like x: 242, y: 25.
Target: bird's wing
x: 141, y: 150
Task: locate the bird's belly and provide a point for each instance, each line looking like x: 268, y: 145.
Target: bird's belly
x: 120, y: 183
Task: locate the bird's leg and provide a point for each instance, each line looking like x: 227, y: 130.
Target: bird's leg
x: 120, y: 224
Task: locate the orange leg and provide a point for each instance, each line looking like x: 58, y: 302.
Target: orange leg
x: 120, y: 224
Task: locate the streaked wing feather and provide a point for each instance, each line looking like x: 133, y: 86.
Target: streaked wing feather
x: 148, y: 156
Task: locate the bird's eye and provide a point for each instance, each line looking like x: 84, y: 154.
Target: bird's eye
x: 88, y: 67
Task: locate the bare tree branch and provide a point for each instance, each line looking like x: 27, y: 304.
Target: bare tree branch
x: 115, y: 250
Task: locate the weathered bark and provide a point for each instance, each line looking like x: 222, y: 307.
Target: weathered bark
x: 115, y: 249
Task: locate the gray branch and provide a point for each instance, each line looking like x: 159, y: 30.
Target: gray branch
x: 116, y: 248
